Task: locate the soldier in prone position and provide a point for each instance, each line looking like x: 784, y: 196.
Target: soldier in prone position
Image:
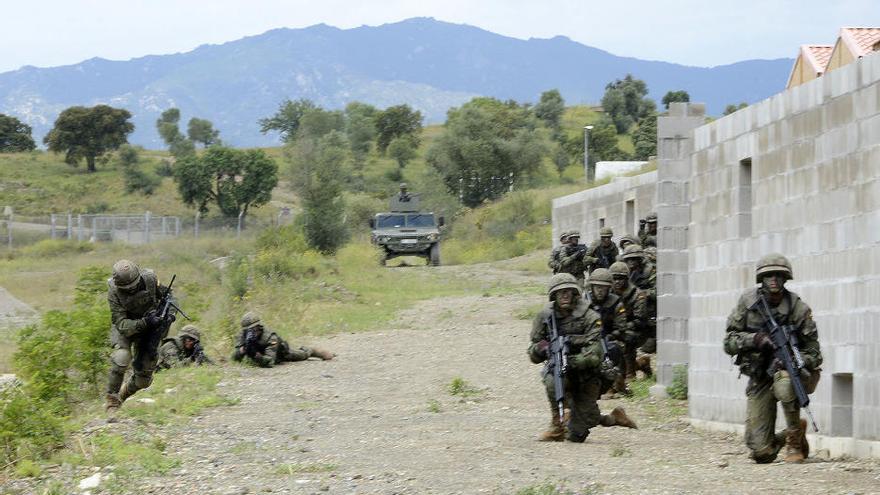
x: 265, y: 348
x: 136, y: 330
x: 583, y: 379
x: 183, y: 350
x: 749, y: 340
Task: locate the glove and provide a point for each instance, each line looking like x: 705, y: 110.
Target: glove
x: 170, y: 318
x: 543, y: 345
x: 762, y: 341
x: 152, y: 320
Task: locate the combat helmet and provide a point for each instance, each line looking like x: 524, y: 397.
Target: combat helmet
x: 190, y: 331
x: 126, y: 274
x: 628, y: 239
x: 562, y: 281
x: 574, y: 233
x: 773, y: 262
x: 601, y: 276
x: 250, y: 320
x: 619, y: 268
x: 606, y: 232
x: 633, y: 251
x: 564, y: 235
x: 651, y: 218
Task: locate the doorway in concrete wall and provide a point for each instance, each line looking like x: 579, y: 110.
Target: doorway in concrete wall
x: 630, y: 217
x: 841, y: 405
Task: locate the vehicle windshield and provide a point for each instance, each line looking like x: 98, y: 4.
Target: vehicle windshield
x: 390, y: 222
x: 420, y: 220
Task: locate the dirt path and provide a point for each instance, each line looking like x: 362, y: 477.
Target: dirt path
x: 380, y: 420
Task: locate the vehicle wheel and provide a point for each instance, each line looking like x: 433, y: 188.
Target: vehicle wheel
x: 435, y: 254
x: 382, y: 259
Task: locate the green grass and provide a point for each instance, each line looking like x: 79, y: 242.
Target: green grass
x: 548, y: 488
x: 178, y: 393
x: 434, y: 406
x: 641, y: 388
x: 529, y: 313
x: 459, y: 387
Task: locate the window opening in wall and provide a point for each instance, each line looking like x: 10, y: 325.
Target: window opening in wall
x: 631, y: 217
x: 743, y: 211
x: 601, y: 222
x: 841, y: 405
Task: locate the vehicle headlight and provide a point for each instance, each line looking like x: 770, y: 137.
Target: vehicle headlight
x: 432, y: 237
x: 384, y: 238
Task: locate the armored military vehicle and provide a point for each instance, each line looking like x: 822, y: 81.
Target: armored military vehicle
x: 404, y: 230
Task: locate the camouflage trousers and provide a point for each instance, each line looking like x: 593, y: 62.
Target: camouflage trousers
x: 762, y: 395
x: 581, y: 396
x: 141, y: 352
x: 283, y: 353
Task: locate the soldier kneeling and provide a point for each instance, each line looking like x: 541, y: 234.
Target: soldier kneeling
x: 266, y: 349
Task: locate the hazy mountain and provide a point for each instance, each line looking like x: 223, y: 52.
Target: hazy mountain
x: 429, y: 64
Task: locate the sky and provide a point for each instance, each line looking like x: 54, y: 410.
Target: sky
x: 47, y: 33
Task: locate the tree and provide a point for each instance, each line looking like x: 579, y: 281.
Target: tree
x: 625, y: 102
x: 397, y: 121
x: 88, y: 133
x: 318, y: 122
x: 561, y: 159
x: 550, y: 108
x: 603, y: 144
x: 202, y: 131
x: 15, y: 135
x: 645, y: 138
x: 484, y: 142
x: 323, y: 204
x: 287, y: 119
x: 729, y: 109
x: 235, y: 180
x: 402, y: 149
x: 169, y: 131
x: 680, y: 96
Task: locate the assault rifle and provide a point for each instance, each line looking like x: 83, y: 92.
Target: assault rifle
x: 250, y: 342
x: 558, y: 362
x: 167, y: 306
x: 198, y: 355
x: 785, y: 349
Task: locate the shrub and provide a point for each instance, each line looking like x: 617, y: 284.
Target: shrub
x: 164, y: 169
x: 288, y: 238
x: 127, y: 155
x: 236, y: 276
x: 50, y: 248
x: 29, y: 427
x: 137, y: 180
x: 394, y: 175
x: 678, y: 389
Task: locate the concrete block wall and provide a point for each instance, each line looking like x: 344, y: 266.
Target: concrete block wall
x: 607, y: 205
x: 798, y: 173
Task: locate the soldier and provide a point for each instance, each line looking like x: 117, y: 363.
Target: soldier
x: 626, y: 241
x: 603, y: 249
x: 573, y: 258
x: 184, y: 350
x: 583, y: 379
x: 638, y: 318
x: 555, y: 254
x: 607, y: 304
x: 648, y: 237
x: 135, y: 330
x: 643, y: 275
x: 748, y: 339
x: 266, y: 349
x: 403, y: 196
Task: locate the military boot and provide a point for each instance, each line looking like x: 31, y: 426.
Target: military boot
x: 631, y: 367
x: 797, y: 447
x: 125, y: 392
x: 643, y: 364
x: 617, y: 417
x: 556, y: 432
x: 112, y: 405
x: 320, y: 353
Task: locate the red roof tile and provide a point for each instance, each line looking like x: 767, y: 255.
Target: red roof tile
x: 860, y: 40
x: 817, y: 56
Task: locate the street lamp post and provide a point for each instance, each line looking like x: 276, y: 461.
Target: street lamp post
x: 589, y: 172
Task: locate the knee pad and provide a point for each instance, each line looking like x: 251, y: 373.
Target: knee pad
x: 142, y: 380
x: 120, y: 358
x: 782, y: 388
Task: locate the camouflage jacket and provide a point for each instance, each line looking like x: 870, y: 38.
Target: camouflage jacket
x: 604, y: 256
x: 646, y: 239
x: 574, y: 261
x: 744, y: 322
x: 646, y: 279
x: 613, y: 315
x: 583, y: 327
x: 127, y: 310
x: 553, y: 263
x: 173, y: 354
x: 270, y: 345
x: 639, y: 317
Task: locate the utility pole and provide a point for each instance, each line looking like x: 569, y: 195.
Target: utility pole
x: 589, y: 171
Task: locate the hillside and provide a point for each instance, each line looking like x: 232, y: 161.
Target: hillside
x: 429, y: 64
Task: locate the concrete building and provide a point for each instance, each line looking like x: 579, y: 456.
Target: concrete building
x: 798, y: 173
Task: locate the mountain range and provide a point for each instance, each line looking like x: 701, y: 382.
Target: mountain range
x: 429, y: 64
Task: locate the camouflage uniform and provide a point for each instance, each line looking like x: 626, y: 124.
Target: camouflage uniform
x: 174, y: 353
x: 604, y: 255
x: 574, y: 259
x: 746, y: 339
x: 614, y: 326
x: 555, y: 254
x: 637, y: 307
x: 583, y: 379
x: 643, y: 275
x: 648, y: 237
x: 269, y: 348
x: 135, y: 331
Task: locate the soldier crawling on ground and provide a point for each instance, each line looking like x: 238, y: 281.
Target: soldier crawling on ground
x: 749, y: 339
x: 266, y: 348
x: 183, y: 350
x: 587, y: 367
